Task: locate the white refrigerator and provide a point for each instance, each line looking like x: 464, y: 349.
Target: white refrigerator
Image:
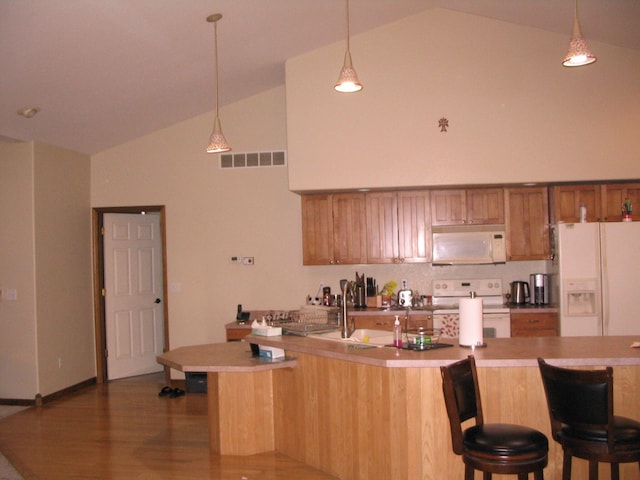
x: 597, y: 278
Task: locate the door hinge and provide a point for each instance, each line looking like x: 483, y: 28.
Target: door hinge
x: 102, y: 231
x: 104, y: 292
x: 106, y: 353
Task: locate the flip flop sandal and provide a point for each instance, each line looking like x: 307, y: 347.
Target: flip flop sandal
x: 165, y: 391
x: 176, y: 393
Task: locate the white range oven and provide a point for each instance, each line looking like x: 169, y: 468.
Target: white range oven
x: 446, y: 300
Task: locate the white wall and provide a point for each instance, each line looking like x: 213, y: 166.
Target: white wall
x: 18, y: 353
x: 46, y: 256
x: 515, y: 113
x: 64, y: 303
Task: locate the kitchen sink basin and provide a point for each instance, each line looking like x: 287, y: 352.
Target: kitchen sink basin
x: 378, y: 338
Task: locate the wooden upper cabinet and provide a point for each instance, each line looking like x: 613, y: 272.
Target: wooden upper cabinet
x: 382, y: 227
x: 485, y: 206
x: 448, y: 207
x: 317, y: 230
x: 527, y: 223
x: 414, y: 226
x: 398, y: 227
x: 614, y: 195
x: 474, y: 206
x: 603, y: 201
x: 566, y: 201
x: 334, y: 229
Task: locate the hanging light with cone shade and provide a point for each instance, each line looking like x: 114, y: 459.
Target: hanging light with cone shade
x: 578, y: 53
x: 217, y: 142
x: 348, y: 81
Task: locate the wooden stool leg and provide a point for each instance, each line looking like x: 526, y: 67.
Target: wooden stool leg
x: 538, y: 475
x: 468, y: 472
x: 615, y: 471
x: 566, y: 466
x: 593, y: 470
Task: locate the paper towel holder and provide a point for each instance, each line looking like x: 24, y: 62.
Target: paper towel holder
x: 479, y: 344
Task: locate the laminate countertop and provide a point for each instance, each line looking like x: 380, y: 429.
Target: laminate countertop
x: 499, y: 352
x: 230, y: 357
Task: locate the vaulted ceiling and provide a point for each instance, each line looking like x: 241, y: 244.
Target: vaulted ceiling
x: 107, y: 71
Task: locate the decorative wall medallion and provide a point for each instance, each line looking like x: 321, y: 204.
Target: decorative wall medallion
x: 443, y: 124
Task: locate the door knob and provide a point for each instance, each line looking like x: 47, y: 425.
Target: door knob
x: 158, y: 300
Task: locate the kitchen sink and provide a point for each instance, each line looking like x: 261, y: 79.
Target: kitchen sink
x: 378, y: 338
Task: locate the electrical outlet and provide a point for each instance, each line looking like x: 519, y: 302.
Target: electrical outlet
x: 404, y: 283
x: 247, y: 260
x: 59, y: 362
x: 236, y: 259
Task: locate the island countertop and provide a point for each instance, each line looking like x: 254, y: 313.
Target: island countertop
x: 499, y: 352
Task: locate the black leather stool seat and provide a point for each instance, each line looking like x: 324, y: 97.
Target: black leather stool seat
x: 625, y: 430
x: 504, y: 439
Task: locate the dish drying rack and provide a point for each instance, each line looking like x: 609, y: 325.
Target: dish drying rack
x: 307, y: 321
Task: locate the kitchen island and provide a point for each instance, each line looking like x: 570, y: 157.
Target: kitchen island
x: 379, y: 412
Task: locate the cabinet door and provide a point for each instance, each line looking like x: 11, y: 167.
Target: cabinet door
x: 566, y: 201
x: 534, y: 325
x: 414, y: 227
x: 349, y: 228
x: 485, y: 206
x: 317, y: 230
x: 527, y: 223
x: 448, y: 207
x: 382, y: 227
x: 614, y: 195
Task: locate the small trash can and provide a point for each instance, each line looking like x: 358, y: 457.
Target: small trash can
x: 196, y: 382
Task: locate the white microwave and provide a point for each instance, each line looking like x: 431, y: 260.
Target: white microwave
x: 468, y: 245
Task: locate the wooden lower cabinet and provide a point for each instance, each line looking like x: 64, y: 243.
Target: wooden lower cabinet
x: 375, y: 322
x: 237, y: 332
x: 385, y: 322
x: 534, y: 324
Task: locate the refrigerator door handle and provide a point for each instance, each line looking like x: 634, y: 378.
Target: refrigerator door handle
x: 604, y: 284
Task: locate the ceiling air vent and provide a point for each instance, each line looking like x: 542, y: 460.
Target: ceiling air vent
x: 253, y: 159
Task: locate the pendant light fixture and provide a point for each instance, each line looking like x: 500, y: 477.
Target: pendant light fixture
x: 348, y: 80
x: 217, y: 142
x: 578, y: 53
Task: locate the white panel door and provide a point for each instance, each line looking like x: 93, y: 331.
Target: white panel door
x: 134, y: 312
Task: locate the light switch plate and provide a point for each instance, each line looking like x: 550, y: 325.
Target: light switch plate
x: 9, y: 294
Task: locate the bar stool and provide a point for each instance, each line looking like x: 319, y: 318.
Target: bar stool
x: 582, y: 421
x: 489, y: 447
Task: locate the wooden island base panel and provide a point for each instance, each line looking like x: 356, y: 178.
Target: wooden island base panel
x: 240, y: 394
x: 379, y: 412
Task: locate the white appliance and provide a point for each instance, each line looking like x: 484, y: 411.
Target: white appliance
x: 598, y: 275
x: 496, y: 318
x: 468, y: 245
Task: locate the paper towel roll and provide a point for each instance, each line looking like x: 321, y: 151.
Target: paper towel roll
x: 471, y: 322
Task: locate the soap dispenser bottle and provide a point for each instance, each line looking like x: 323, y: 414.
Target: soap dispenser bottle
x: 397, y: 333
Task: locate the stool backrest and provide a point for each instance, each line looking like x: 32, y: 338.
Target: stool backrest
x: 461, y: 396
x: 579, y: 399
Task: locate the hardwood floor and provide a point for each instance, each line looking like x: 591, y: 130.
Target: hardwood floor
x: 123, y: 430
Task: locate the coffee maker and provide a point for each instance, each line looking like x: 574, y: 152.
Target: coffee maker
x: 540, y: 288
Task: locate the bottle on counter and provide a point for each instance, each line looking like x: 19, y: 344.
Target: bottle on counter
x: 326, y: 296
x: 397, y: 333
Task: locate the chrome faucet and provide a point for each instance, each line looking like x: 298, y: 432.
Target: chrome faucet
x: 346, y: 330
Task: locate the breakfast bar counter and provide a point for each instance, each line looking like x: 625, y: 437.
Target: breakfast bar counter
x: 369, y: 413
